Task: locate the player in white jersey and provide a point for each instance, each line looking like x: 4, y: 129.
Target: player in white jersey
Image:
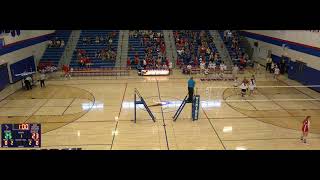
x: 252, y: 85
x: 243, y: 88
x: 276, y: 72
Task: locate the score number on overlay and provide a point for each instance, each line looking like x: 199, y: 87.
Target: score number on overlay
x: 21, y: 135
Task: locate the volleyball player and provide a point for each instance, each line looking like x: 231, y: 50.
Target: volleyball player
x: 243, y: 88
x: 305, y: 129
x: 252, y: 85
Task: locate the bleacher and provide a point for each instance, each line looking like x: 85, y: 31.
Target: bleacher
x: 194, y: 45
x: 92, y: 48
x: 234, y: 56
x: 135, y: 46
x: 52, y: 55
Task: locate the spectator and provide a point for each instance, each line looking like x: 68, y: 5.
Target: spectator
x: 221, y: 72
x: 101, y: 39
x: 212, y: 65
x: 202, y: 67
x: 242, y: 62
x: 170, y: 66
x: 206, y: 71
x: 97, y: 41
x: 136, y: 60
x: 97, y: 54
x: 257, y: 68
x: 141, y: 42
x: 42, y: 79
x: 58, y: 42
x: 159, y: 61
x: 144, y: 64
x: 235, y: 71
x: 88, y: 40
x: 62, y: 44
x: 276, y: 72
x: 84, y: 40
x: 129, y: 63
x: 28, y: 82
x: 189, y: 67
x: 268, y: 65
x: 196, y: 61
x: 50, y: 43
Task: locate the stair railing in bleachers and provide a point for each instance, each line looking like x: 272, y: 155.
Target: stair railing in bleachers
x: 70, y: 47
x: 221, y: 48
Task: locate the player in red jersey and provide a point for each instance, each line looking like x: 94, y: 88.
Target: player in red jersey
x: 305, y: 129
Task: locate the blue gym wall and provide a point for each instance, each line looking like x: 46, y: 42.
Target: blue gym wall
x: 309, y: 54
x: 29, y: 43
x: 4, y: 76
x: 24, y: 65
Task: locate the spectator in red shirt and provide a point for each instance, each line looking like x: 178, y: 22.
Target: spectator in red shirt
x: 136, y: 60
x: 178, y: 61
x: 242, y: 62
x: 167, y: 61
x: 129, y: 63
x: 196, y: 62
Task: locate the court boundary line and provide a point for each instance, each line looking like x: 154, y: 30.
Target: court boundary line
x: 67, y: 106
x: 212, y: 126
x: 117, y: 122
x: 77, y: 145
x: 232, y: 87
x: 256, y: 118
x: 85, y: 112
x: 268, y: 139
x: 163, y: 121
x: 286, y: 110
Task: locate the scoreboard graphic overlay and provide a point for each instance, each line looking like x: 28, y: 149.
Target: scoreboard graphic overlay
x: 21, y: 135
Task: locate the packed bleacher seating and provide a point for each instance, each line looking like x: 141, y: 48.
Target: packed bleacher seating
x: 55, y: 48
x: 197, y: 52
x: 147, y: 49
x: 237, y: 54
x: 96, y: 49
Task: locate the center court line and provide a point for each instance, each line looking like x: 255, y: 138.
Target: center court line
x: 164, y: 123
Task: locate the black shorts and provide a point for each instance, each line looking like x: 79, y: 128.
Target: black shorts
x: 243, y: 90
